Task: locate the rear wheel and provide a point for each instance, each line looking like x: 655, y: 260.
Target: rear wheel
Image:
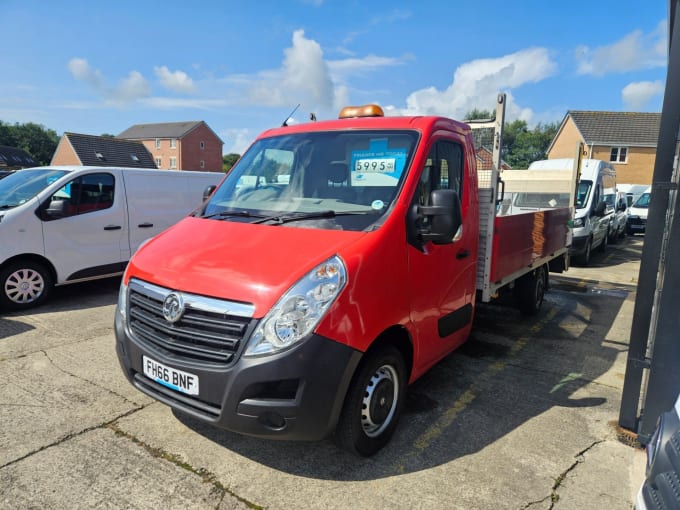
x: 24, y: 285
x: 374, y: 403
x: 530, y: 291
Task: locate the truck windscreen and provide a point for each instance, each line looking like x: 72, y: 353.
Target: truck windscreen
x: 21, y: 186
x: 356, y: 175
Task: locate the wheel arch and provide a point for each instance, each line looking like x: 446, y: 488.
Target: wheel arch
x: 33, y: 257
x: 398, y: 337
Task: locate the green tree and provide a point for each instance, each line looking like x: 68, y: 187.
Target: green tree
x: 228, y: 160
x: 525, y: 146
x: 35, y: 139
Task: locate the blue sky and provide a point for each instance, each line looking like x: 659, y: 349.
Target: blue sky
x: 100, y: 67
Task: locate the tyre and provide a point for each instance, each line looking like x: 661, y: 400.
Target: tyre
x: 373, y: 403
x: 584, y: 259
x: 24, y: 285
x: 605, y: 242
x: 530, y: 291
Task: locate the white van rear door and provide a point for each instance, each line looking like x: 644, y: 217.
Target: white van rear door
x: 91, y: 239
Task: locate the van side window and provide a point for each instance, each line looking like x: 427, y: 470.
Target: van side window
x: 88, y: 193
x: 443, y: 170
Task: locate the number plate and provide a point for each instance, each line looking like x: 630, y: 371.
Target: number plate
x: 184, y: 382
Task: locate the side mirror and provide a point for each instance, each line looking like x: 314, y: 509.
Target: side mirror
x: 600, y: 209
x: 208, y: 191
x: 622, y: 206
x: 54, y: 211
x: 445, y: 214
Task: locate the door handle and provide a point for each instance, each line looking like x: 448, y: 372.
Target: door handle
x: 462, y: 254
x: 145, y: 225
x: 112, y: 227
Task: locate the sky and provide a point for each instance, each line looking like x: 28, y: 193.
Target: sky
x: 96, y: 67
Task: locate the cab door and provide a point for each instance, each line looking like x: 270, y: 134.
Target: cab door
x: 442, y: 277
x: 85, y: 227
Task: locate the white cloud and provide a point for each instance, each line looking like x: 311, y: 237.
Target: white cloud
x: 177, y: 81
x: 476, y: 84
x: 128, y: 90
x: 303, y: 78
x: 236, y: 141
x: 306, y: 78
x: 634, y: 51
x: 637, y: 95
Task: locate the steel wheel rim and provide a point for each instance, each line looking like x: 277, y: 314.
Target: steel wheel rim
x: 24, y: 286
x: 380, y: 401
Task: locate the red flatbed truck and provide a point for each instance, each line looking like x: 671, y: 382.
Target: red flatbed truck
x: 336, y: 263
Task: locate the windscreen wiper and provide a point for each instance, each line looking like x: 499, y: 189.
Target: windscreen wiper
x: 8, y: 206
x: 230, y: 214
x: 281, y: 219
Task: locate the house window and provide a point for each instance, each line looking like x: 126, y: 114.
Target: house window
x: 202, y: 164
x: 158, y: 162
x: 202, y: 145
x: 173, y: 143
x: 158, y: 143
x: 173, y: 162
x: 619, y: 155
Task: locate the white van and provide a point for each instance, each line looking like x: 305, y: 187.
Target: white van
x: 637, y: 213
x: 61, y: 225
x: 595, y: 204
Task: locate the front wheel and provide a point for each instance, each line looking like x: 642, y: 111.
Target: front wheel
x: 24, y: 285
x: 374, y: 403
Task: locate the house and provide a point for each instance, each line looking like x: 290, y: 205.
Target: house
x: 188, y: 145
x: 12, y: 158
x: 89, y: 150
x: 627, y: 139
x: 485, y: 159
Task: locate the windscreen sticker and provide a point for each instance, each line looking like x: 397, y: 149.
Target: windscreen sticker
x: 378, y: 166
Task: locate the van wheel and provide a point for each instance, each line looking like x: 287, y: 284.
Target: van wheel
x: 530, y: 290
x: 605, y: 242
x: 24, y: 285
x: 374, y: 403
x: 584, y: 259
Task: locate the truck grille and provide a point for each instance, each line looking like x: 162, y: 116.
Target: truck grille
x: 208, y: 330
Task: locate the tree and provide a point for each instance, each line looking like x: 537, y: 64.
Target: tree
x: 521, y: 145
x: 228, y: 160
x: 33, y: 138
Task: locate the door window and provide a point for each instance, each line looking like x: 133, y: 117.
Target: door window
x: 443, y: 170
x: 88, y: 193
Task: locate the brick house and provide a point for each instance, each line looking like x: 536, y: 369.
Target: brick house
x: 188, y: 145
x: 627, y: 139
x: 89, y: 150
x: 485, y: 159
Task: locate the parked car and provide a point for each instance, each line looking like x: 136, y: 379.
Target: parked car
x: 619, y: 218
x: 660, y: 488
x: 637, y: 213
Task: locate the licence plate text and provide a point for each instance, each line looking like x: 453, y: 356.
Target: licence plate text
x: 177, y: 380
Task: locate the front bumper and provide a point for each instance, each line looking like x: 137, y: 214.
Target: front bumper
x: 636, y: 225
x: 297, y: 394
x: 578, y: 245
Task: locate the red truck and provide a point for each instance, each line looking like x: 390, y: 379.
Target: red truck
x: 335, y: 264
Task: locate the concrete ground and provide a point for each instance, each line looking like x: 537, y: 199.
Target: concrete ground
x: 523, y: 416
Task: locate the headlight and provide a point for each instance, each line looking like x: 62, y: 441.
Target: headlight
x: 578, y: 222
x: 122, y: 300
x: 299, y: 310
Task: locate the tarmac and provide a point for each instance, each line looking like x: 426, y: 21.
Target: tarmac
x: 523, y: 416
